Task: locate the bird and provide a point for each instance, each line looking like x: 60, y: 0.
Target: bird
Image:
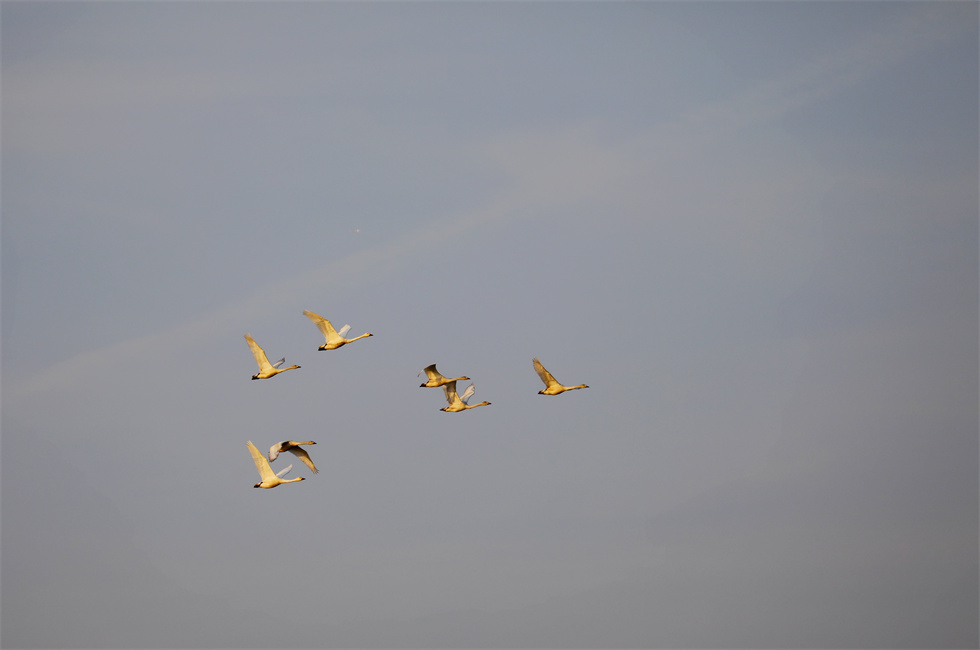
x: 457, y: 402
x: 266, y: 369
x: 334, y: 339
x: 436, y: 378
x: 294, y: 448
x: 552, y: 387
x: 269, y: 480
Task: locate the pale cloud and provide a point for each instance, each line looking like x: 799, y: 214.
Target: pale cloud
x: 549, y: 170
x: 912, y: 32
x: 266, y: 303
x: 63, y: 105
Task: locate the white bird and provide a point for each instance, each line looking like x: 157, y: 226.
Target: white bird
x: 294, y: 448
x: 436, y: 378
x: 269, y: 480
x: 552, y: 387
x: 334, y: 339
x: 266, y: 369
x: 458, y: 402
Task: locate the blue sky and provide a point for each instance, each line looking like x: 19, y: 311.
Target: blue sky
x: 751, y: 228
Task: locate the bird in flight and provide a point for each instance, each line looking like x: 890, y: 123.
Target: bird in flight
x: 551, y: 385
x: 294, y: 448
x: 436, y: 379
x: 269, y: 479
x: 333, y: 338
x: 266, y: 369
x: 459, y: 402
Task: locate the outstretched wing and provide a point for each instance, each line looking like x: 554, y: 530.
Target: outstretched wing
x: 261, y: 464
x: 279, y: 363
x: 432, y: 373
x: 274, y: 450
x: 300, y: 453
x: 258, y: 353
x: 284, y: 471
x: 329, y: 333
x: 343, y: 331
x: 450, y: 390
x: 468, y: 393
x: 544, y: 374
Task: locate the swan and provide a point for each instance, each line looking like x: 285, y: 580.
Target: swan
x: 334, y: 339
x: 458, y: 402
x: 436, y: 379
x: 269, y: 480
x: 552, y: 387
x: 266, y: 369
x: 294, y: 448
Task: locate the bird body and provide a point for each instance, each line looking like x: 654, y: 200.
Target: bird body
x: 294, y: 448
x: 266, y: 369
x: 458, y: 402
x: 436, y: 379
x: 269, y: 479
x: 551, y: 385
x: 333, y: 338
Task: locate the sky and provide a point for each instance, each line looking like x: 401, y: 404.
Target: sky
x: 750, y: 227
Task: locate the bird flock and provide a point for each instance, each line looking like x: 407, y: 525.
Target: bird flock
x: 334, y: 339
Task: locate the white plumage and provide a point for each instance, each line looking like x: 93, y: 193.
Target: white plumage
x: 551, y: 385
x: 436, y: 379
x: 269, y: 479
x: 266, y: 369
x: 458, y: 402
x: 294, y: 448
x: 333, y: 338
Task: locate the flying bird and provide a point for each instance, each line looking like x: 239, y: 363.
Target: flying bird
x: 266, y: 369
x: 459, y: 402
x: 269, y: 480
x: 551, y: 385
x: 294, y: 448
x: 436, y: 378
x: 334, y: 339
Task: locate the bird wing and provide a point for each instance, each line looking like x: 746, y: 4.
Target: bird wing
x: 343, y: 331
x: 279, y: 363
x: 450, y: 390
x: 432, y: 373
x: 329, y: 333
x: 274, y: 450
x: 284, y: 470
x: 300, y: 453
x: 258, y: 353
x: 261, y: 463
x: 468, y: 393
x: 544, y: 374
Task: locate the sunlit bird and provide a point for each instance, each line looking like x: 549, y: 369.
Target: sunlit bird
x: 334, y: 339
x: 551, y: 385
x: 266, y: 369
x: 294, y: 448
x: 269, y: 480
x: 458, y: 402
x: 436, y: 378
